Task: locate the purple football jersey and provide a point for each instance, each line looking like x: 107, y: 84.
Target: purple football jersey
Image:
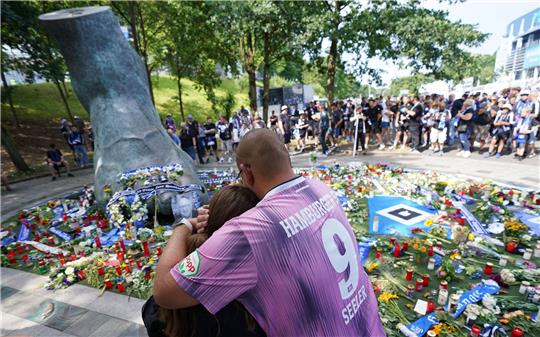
x: 292, y: 261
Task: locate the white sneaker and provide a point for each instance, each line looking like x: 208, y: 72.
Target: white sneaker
x: 460, y: 153
x: 381, y: 147
x: 229, y: 160
x: 466, y: 154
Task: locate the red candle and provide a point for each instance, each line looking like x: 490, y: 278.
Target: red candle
x: 488, y: 268
x: 147, y: 276
x: 158, y: 251
x: 98, y: 241
x: 120, y: 256
x: 121, y: 287
x: 62, y: 260
x: 430, y: 251
x: 475, y: 330
x: 517, y: 332
x: 511, y: 246
x: 430, y: 306
x: 397, y: 250
x: 443, y: 285
x: 119, y: 270
x: 25, y: 258
x: 72, y: 258
x: 81, y: 275
x: 37, y: 237
x: 409, y: 274
x: 419, y: 284
x: 108, y: 284
x: 405, y: 246
x: 19, y: 249
x: 122, y: 245
x: 100, y: 271
x: 127, y: 268
x: 11, y: 256
x: 139, y: 264
x: 146, y: 248
x: 425, y: 280
x: 51, y: 240
x: 64, y: 217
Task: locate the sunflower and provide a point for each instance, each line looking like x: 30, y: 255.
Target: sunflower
x: 52, y: 204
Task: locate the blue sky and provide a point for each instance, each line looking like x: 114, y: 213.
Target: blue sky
x: 490, y: 16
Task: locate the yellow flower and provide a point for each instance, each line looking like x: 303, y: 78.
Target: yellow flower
x: 470, y: 237
x: 372, y: 266
x: 428, y: 222
x: 51, y: 204
x: 385, y: 297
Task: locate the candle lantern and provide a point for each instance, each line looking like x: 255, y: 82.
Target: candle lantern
x: 121, y: 287
x: 100, y: 271
x: 425, y: 280
x: 98, y: 241
x: 488, y: 268
x: 419, y: 284
x: 409, y: 274
x: 517, y: 332
x: 146, y: 249
x: 108, y: 284
x: 119, y: 270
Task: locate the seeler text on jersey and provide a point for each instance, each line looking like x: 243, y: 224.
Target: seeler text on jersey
x: 351, y: 309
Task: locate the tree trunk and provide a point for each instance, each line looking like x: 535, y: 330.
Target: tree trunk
x: 7, y: 89
x: 13, y: 152
x: 65, y: 87
x: 332, y: 56
x: 180, y: 103
x: 266, y: 75
x: 140, y: 46
x: 64, y: 99
x: 144, y: 54
x: 250, y: 69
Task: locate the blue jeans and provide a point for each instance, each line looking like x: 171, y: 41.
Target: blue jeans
x: 80, y: 153
x: 190, y: 151
x: 322, y: 139
x: 452, y: 134
x: 464, y: 139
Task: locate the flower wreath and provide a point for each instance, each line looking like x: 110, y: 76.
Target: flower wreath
x: 128, y: 208
x: 151, y: 174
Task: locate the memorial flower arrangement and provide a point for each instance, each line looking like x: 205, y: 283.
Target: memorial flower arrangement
x: 147, y: 175
x: 409, y: 269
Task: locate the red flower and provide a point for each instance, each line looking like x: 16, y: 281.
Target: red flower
x: 537, y: 201
x: 458, y: 211
x: 461, y: 221
x: 447, y: 202
x: 416, y: 230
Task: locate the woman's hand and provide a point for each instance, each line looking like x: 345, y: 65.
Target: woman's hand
x: 201, y: 221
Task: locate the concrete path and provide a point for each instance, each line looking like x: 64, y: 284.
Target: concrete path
x: 505, y: 170
x: 29, y: 309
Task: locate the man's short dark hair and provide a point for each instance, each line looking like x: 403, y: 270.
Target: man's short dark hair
x: 52, y: 145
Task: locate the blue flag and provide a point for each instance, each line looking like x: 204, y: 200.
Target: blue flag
x: 474, y: 295
x: 531, y: 220
x: 423, y: 324
x: 396, y: 215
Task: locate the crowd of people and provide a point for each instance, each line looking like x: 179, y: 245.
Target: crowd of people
x: 493, y: 125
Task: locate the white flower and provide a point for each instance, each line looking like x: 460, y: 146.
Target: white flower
x: 69, y: 271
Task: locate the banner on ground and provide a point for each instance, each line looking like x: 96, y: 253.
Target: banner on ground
x: 396, y: 215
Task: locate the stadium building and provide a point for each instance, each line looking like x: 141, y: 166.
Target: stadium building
x: 518, y: 57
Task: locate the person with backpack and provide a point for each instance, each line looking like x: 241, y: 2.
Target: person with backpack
x: 500, y: 133
x: 482, y: 126
x: 225, y: 134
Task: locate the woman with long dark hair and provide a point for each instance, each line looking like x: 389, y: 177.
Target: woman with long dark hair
x: 233, y: 320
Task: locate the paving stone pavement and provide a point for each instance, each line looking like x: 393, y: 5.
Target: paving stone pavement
x: 29, y: 309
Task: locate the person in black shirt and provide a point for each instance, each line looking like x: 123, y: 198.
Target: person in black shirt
x: 273, y: 121
x: 415, y: 118
x: 188, y: 140
x: 211, y: 141
x: 373, y: 111
x: 55, y: 160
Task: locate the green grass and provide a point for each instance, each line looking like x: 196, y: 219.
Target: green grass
x: 38, y: 102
